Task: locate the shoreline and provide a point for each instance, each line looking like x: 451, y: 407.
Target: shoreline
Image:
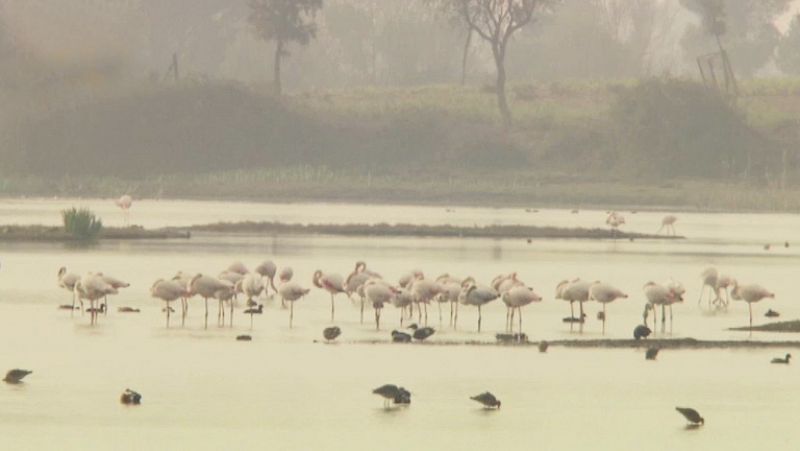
x: 610, y: 343
x: 38, y: 233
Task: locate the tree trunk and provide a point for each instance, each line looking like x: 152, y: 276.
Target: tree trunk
x: 276, y: 79
x: 465, y: 56
x: 502, y: 103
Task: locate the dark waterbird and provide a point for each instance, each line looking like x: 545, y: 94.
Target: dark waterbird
x: 641, y: 331
x: 488, y: 400
x: 651, y: 353
x: 16, y: 375
x: 330, y: 333
x: 784, y: 360
x: 244, y: 338
x: 422, y: 333
x: 128, y: 310
x: 393, y: 393
x: 130, y: 398
x: 400, y: 337
x: 772, y: 314
x: 254, y: 311
x: 68, y: 307
x: 572, y: 319
x: 691, y: 415
x: 543, y: 345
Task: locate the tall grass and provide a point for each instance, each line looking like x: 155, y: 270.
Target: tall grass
x: 81, y: 223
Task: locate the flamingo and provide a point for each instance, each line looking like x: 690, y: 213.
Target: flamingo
x: 409, y: 278
x: 356, y: 279
x: 503, y: 284
x: 451, y: 288
x: 750, y: 293
x: 668, y: 223
x: 710, y: 278
x: 574, y: 291
x: 251, y: 285
x: 291, y: 292
x: 615, y: 220
x: 662, y: 295
x: 378, y: 293
x: 238, y: 267
x: 403, y: 298
x: 93, y: 287
x: 605, y: 293
x: 516, y: 298
x: 724, y: 282
x: 207, y: 287
x: 168, y: 291
x: 115, y: 283
x: 124, y: 202
x: 268, y: 269
x: 425, y: 290
x: 472, y: 294
x: 184, y: 279
x: 67, y: 281
x: 330, y: 282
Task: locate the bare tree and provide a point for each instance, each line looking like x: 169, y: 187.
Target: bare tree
x: 496, y: 21
x: 284, y: 21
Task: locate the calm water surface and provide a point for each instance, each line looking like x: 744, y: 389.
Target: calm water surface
x: 204, y: 390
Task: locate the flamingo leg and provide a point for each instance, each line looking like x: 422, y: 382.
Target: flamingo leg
x: 291, y: 314
x: 479, y: 318
x: 426, y: 313
x: 604, y: 317
x: 377, y: 319
x: 455, y: 319
x: 251, y: 321
x: 231, y: 301
x: 167, y: 303
x: 663, y: 318
x: 451, y: 313
x: 332, y: 308
x: 750, y: 308
x: 439, y: 304
x: 362, y: 310
x: 519, y: 309
x: 572, y: 309
x: 206, y: 326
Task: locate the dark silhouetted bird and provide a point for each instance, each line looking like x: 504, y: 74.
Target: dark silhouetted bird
x: 487, y: 399
x: 691, y: 415
x: 423, y: 333
x: 651, y: 353
x: 572, y: 319
x: 641, y: 331
x: 400, y: 337
x: 601, y: 316
x: 330, y: 333
x: 772, y: 314
x: 391, y: 392
x: 128, y: 310
x: 543, y: 345
x: 784, y: 360
x: 244, y: 338
x: 15, y: 376
x: 130, y: 398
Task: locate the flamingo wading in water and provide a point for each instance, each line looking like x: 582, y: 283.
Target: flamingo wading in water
x: 330, y: 282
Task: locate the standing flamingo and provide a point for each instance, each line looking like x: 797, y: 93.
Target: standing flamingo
x: 291, y: 292
x: 168, y: 291
x: 207, y: 287
x: 472, y: 294
x: 125, y: 202
x: 330, y: 282
x: 615, y: 220
x: 575, y: 291
x: 251, y: 285
x: 93, y: 287
x: 378, y: 293
x: 356, y: 279
x: 268, y: 269
x: 661, y: 295
x: 516, y: 298
x: 67, y: 281
x: 750, y: 293
x: 403, y: 298
x: 114, y: 283
x: 238, y: 267
x: 451, y: 288
x: 424, y: 291
x: 605, y: 293
x: 710, y: 278
x: 668, y: 223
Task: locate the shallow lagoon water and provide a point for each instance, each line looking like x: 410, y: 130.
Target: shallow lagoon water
x: 204, y: 390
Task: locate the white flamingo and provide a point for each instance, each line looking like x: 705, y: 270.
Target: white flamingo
x: 615, y: 220
x: 668, y: 223
x: 114, y: 283
x: 451, y: 288
x: 168, y: 291
x: 424, y: 291
x: 93, y: 287
x: 605, y: 293
x: 356, y: 279
x: 238, y: 267
x: 573, y: 291
x: 663, y: 295
x: 475, y: 295
x: 252, y: 285
x: 516, y: 298
x: 291, y: 292
x: 124, y: 202
x: 724, y: 282
x: 207, y: 287
x: 750, y: 293
x: 378, y: 293
x: 268, y: 269
x: 67, y: 281
x: 403, y: 299
x: 710, y: 277
x: 330, y: 282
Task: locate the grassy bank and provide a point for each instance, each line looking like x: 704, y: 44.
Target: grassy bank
x: 415, y: 230
x: 58, y: 234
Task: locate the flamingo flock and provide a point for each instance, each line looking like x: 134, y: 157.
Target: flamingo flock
x: 412, y: 291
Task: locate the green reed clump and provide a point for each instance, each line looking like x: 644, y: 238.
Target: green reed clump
x: 81, y: 223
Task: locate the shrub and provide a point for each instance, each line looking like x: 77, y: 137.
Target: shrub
x: 81, y: 224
